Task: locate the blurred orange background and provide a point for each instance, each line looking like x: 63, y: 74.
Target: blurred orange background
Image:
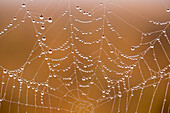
x: 130, y: 18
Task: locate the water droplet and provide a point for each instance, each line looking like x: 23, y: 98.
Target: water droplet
x: 42, y: 93
x: 101, y: 4
x: 77, y: 7
x: 41, y: 17
x: 50, y: 51
x: 109, y: 11
x: 83, y: 79
x: 103, y: 36
x: 23, y: 20
x: 80, y: 10
x: 23, y: 5
x: 28, y: 86
x: 152, y: 46
x: 50, y: 20
x: 5, y: 71
x: 10, y: 75
x: 42, y: 27
x: 33, y: 21
x: 111, y: 51
x: 10, y: 24
x: 132, y: 48
x: 154, y: 85
x: 28, y: 11
x: 15, y: 18
x: 43, y: 38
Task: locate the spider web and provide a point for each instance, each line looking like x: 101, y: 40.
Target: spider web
x: 84, y: 61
